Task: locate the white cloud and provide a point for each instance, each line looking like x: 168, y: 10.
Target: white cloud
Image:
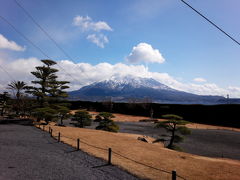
x: 144, y: 52
x: 100, y: 40
x: 85, y: 74
x: 19, y: 69
x: 87, y: 24
x: 199, y: 80
x: 6, y: 44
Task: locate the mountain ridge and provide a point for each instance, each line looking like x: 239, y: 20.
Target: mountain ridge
x: 125, y: 88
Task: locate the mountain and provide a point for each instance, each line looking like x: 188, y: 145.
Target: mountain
x: 137, y: 89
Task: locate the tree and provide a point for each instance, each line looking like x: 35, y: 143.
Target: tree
x: 105, y: 115
x: 4, y: 97
x: 47, y: 84
x: 63, y: 112
x: 47, y: 113
x: 174, y: 124
x: 83, y: 118
x: 106, y: 123
x: 17, y: 87
x: 49, y: 92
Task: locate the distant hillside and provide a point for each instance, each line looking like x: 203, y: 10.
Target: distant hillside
x: 130, y: 88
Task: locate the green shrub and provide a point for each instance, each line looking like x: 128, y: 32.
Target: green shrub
x: 106, y: 123
x: 83, y: 119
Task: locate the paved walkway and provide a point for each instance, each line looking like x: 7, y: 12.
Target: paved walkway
x: 28, y: 153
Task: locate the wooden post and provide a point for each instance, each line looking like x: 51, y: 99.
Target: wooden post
x: 49, y: 129
x: 43, y: 127
x: 109, y: 156
x: 59, y: 137
x: 174, y: 175
x: 78, y: 144
x: 51, y: 132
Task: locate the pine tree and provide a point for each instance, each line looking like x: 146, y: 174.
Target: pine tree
x: 48, y: 90
x: 106, y: 123
x: 174, y: 125
x: 83, y: 119
x: 4, y: 98
x: 47, y: 84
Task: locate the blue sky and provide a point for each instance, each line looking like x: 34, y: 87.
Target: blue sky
x: 189, y: 46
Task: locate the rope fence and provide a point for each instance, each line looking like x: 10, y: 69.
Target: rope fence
x: 110, y: 152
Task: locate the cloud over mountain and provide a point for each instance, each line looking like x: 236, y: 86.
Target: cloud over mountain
x: 144, y: 52
x: 85, y: 74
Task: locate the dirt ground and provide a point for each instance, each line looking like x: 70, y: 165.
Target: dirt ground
x: 187, y: 165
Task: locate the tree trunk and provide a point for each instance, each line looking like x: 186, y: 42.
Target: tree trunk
x: 62, y: 120
x: 170, y: 145
x: 18, y: 103
x: 2, y: 111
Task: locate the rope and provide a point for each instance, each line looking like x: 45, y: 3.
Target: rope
x: 168, y: 172
x: 146, y: 165
x: 141, y: 163
x: 68, y: 137
x: 83, y: 142
x: 94, y: 146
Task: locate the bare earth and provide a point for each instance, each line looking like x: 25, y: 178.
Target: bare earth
x: 187, y: 165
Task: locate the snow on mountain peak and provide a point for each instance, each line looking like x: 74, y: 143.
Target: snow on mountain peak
x: 119, y: 82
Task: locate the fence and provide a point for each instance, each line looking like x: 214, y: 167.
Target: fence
x: 173, y: 173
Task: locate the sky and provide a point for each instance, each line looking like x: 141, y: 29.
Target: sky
x: 160, y: 39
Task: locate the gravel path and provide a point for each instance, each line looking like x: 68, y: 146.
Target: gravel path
x: 213, y: 143
x: 204, y: 142
x: 28, y: 153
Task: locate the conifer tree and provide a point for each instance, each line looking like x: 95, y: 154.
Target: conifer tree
x: 175, y: 125
x: 106, y: 123
x: 83, y: 119
x: 48, y: 90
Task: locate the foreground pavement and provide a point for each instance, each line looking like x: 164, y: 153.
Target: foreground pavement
x: 29, y: 153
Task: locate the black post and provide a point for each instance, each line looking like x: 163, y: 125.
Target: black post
x: 59, y: 137
x: 109, y: 156
x: 174, y: 175
x: 43, y: 127
x: 49, y: 129
x: 51, y: 132
x: 78, y: 144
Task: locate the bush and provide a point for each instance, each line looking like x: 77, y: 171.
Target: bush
x: 106, y: 123
x: 108, y: 126
x: 46, y: 113
x: 98, y: 118
x: 83, y: 119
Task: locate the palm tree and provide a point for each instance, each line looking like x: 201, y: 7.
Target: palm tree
x: 17, y: 87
